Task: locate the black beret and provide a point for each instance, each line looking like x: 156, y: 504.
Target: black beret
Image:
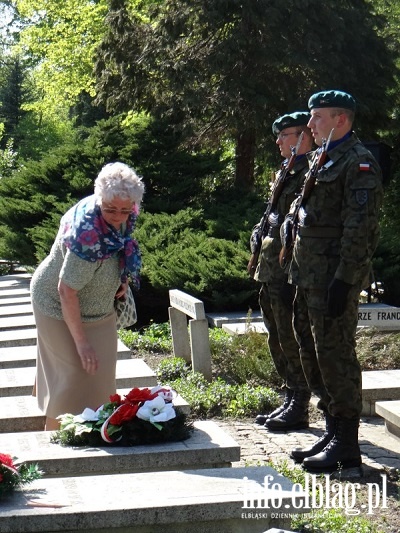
x: 299, y: 118
x: 332, y: 99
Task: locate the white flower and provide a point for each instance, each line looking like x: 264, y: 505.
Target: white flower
x: 88, y: 415
x: 165, y: 392
x: 156, y: 410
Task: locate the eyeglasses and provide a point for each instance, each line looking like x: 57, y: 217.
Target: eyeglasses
x: 113, y: 211
x: 284, y: 135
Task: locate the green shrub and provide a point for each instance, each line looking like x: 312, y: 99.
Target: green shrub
x: 220, y: 399
x: 155, y: 338
x: 172, y: 368
x: 179, y: 253
x: 247, y: 359
x: 334, y: 521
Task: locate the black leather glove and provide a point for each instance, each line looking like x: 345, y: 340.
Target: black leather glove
x: 287, y: 293
x: 338, y: 291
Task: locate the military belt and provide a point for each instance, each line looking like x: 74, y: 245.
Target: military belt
x: 320, y: 232
x: 274, y: 231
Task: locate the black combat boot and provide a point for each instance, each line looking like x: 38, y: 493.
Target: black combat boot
x: 342, y: 451
x: 261, y: 419
x: 299, y: 454
x: 295, y: 416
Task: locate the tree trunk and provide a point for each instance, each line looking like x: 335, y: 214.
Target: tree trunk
x: 245, y: 154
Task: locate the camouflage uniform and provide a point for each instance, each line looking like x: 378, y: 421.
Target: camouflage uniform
x: 337, y: 236
x: 276, y: 315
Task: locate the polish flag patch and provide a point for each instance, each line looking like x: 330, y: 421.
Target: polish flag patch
x: 364, y: 166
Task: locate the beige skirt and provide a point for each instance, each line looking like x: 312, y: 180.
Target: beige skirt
x: 62, y: 386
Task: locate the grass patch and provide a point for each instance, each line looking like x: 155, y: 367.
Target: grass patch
x: 323, y: 520
x: 377, y: 350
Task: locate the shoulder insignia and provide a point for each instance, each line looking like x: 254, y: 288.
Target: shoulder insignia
x: 361, y: 196
x: 364, y: 166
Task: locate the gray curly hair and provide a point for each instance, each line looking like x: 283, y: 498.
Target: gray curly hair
x: 118, y: 180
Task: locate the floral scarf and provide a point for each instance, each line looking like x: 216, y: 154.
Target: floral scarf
x: 85, y: 232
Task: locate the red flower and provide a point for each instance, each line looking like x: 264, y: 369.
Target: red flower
x: 6, y: 460
x: 115, y: 398
x: 123, y: 413
x: 140, y: 395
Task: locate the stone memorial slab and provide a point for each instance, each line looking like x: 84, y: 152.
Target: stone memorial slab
x: 15, y: 310
x: 208, y: 447
x: 16, y: 322
x: 154, y: 502
x: 187, y: 304
x: 378, y: 386
x: 21, y: 300
x: 390, y: 412
x: 379, y: 316
x: 18, y: 337
x: 21, y: 413
x: 14, y: 293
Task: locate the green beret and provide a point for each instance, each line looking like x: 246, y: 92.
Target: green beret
x: 299, y: 118
x: 332, y: 99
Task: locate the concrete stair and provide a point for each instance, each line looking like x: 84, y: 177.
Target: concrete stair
x: 379, y: 386
x: 390, y: 411
x: 173, y: 487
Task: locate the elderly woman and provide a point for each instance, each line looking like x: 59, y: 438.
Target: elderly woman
x: 73, y: 292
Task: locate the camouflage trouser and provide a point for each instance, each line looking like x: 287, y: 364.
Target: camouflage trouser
x: 281, y: 340
x: 327, y: 349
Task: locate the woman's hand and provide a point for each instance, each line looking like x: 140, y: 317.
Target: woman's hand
x: 120, y: 294
x: 88, y: 357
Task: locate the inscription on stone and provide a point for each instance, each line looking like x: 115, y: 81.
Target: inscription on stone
x: 380, y: 316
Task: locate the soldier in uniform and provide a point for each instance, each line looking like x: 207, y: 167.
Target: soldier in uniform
x: 337, y: 235
x: 276, y: 295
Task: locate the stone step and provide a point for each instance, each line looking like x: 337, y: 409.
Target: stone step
x: 23, y: 356
x: 199, y: 501
x: 274, y: 530
x: 18, y: 337
x: 21, y: 413
x: 16, y: 281
x: 21, y: 300
x: 16, y: 322
x: 15, y: 310
x: 208, y: 447
x: 130, y: 373
x: 17, y: 356
x: 240, y: 328
x: 390, y: 412
x: 379, y: 386
x: 216, y: 320
x: 14, y: 293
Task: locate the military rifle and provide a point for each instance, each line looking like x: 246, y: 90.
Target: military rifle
x: 275, y: 194
x: 291, y: 222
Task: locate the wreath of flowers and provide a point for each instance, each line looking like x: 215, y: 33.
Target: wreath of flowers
x: 143, y: 416
x: 13, y: 475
